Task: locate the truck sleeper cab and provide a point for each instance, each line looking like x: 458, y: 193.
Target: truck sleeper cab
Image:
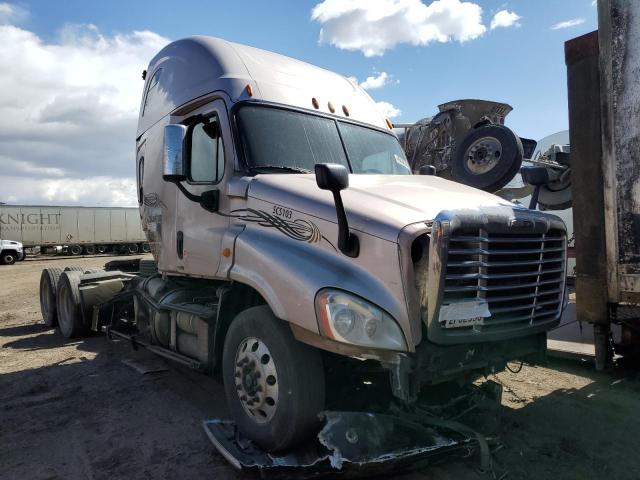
x: 287, y: 227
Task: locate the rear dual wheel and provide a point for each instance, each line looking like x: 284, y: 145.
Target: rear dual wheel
x: 48, y: 291
x: 274, y: 384
x: 69, y: 313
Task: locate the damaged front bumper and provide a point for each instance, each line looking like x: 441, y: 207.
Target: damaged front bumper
x: 431, y: 364
x: 352, y: 444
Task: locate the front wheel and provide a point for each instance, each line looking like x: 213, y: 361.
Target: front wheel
x: 8, y: 258
x: 274, y: 384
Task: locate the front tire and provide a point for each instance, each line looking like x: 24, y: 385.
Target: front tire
x: 274, y: 384
x: 8, y: 258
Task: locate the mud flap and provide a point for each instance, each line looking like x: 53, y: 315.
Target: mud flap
x: 350, y: 444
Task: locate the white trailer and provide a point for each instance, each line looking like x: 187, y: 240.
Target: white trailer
x: 75, y: 229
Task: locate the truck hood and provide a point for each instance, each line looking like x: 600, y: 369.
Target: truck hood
x: 380, y: 205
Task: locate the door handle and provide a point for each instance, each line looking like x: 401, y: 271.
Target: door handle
x: 180, y: 243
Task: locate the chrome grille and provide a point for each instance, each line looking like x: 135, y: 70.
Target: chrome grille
x: 521, y: 276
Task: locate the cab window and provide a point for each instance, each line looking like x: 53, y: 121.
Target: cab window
x: 206, y: 159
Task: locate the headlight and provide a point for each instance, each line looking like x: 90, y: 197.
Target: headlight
x: 350, y: 319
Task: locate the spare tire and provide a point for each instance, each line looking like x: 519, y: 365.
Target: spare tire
x: 487, y: 158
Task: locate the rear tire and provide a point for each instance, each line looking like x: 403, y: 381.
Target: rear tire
x: 132, y: 249
x: 48, y: 291
x: 75, y: 250
x: 70, y: 321
x: 102, y: 248
x: 281, y: 380
x: 145, y: 248
x: 90, y: 249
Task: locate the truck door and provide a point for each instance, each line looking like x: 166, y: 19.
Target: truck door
x: 209, y: 162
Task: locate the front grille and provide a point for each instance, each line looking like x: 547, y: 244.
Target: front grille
x: 521, y: 276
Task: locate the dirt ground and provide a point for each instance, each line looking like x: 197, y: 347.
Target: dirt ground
x: 74, y: 410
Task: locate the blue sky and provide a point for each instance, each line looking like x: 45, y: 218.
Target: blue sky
x: 522, y: 66
x: 520, y: 63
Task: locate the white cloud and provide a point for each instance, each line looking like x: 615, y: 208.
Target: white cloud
x: 377, y: 81
x: 12, y: 13
x: 374, y: 26
x: 388, y: 110
x: 68, y: 113
x: 505, y: 18
x: 568, y: 23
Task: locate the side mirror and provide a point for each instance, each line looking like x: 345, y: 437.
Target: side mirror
x: 334, y: 177
x: 427, y: 170
x: 331, y: 176
x: 536, y: 176
x: 173, y: 167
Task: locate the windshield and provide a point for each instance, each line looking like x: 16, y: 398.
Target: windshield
x: 277, y: 140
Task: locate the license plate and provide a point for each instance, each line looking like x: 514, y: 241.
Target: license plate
x: 463, y: 322
x: 464, y: 314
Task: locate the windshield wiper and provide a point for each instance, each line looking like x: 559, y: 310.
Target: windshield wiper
x: 285, y: 168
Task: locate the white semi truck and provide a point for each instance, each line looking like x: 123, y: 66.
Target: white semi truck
x: 289, y: 234
x: 76, y: 230
x: 10, y: 252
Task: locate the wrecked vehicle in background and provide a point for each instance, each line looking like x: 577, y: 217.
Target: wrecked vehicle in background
x: 289, y: 236
x: 467, y: 142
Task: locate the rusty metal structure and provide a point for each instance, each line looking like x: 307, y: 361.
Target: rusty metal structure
x: 603, y: 72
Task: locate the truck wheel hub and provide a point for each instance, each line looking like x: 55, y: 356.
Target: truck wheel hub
x: 483, y: 155
x: 256, y: 380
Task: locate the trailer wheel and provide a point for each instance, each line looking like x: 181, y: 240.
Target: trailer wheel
x: 90, y: 249
x: 487, y: 158
x: 274, y: 384
x: 8, y: 258
x: 68, y: 304
x: 132, y: 248
x: 75, y: 250
x: 146, y: 248
x: 101, y: 248
x: 48, y: 289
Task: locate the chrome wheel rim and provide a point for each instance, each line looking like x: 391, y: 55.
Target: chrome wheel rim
x: 483, y: 155
x: 256, y: 380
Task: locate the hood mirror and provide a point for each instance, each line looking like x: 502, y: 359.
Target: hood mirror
x: 335, y: 177
x: 173, y: 166
x: 427, y: 170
